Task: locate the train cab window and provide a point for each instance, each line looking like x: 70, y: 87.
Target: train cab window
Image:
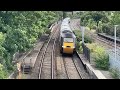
x: 68, y: 40
x: 65, y: 31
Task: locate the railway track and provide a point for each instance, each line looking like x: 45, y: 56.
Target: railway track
x: 29, y: 62
x: 36, y: 57
x: 46, y: 67
x: 31, y: 55
x: 69, y: 66
x: 97, y: 38
x: 108, y: 41
x: 74, y: 68
x: 43, y: 68
x: 108, y: 44
x: 35, y: 72
x: 80, y: 67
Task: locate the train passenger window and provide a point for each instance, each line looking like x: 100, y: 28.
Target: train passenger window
x: 68, y: 39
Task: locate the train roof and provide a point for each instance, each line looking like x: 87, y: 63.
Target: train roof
x: 65, y: 26
x: 65, y: 22
x: 66, y: 30
x: 66, y: 19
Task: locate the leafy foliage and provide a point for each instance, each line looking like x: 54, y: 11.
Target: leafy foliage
x: 115, y: 73
x: 99, y: 55
x: 102, y: 21
x: 19, y: 30
x: 3, y: 72
x: 87, y: 39
x: 78, y: 34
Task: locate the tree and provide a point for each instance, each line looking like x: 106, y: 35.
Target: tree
x: 19, y: 31
x: 64, y: 14
x: 90, y: 23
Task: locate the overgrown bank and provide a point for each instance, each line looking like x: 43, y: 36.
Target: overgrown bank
x: 19, y: 30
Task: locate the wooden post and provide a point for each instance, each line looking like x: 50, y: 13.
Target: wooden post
x: 19, y: 70
x: 30, y: 64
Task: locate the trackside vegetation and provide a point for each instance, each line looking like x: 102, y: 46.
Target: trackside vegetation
x: 19, y: 30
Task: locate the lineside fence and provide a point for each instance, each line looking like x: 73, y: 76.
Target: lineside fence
x: 86, y: 52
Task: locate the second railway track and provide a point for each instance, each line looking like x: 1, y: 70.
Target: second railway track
x: 43, y: 67
x: 46, y: 67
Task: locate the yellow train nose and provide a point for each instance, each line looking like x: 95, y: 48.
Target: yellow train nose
x: 68, y: 48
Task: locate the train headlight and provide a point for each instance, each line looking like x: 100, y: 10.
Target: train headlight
x: 63, y: 46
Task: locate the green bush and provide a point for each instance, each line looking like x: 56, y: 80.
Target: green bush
x: 87, y: 39
x: 3, y: 72
x: 101, y: 58
x: 91, y: 47
x: 79, y: 46
x: 47, y: 31
x: 19, y: 30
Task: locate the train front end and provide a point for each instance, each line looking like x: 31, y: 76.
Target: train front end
x: 68, y: 46
x: 68, y: 43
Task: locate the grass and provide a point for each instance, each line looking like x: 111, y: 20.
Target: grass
x: 92, y: 30
x: 79, y: 47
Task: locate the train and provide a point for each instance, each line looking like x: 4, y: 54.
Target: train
x: 67, y: 38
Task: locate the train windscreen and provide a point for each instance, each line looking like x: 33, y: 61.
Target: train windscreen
x: 66, y: 31
x: 68, y: 39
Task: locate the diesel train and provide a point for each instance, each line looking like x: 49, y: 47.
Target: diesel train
x: 67, y: 38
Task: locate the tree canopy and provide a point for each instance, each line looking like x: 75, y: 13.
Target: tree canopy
x: 19, y: 30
